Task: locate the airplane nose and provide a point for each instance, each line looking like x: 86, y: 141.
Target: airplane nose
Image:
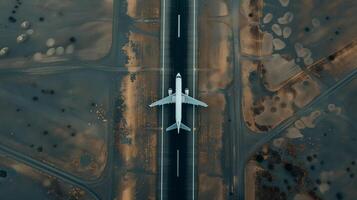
x: 178, y: 75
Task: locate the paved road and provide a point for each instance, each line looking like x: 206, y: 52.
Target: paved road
x: 177, y: 161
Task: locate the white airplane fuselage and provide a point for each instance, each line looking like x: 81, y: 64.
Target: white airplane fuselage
x: 178, y: 98
x: 178, y: 105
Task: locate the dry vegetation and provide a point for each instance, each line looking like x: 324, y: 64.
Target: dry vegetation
x: 215, y: 74
x: 277, y: 82
x: 137, y: 129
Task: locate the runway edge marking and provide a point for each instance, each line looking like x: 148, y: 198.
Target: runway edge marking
x: 162, y: 95
x: 194, y: 96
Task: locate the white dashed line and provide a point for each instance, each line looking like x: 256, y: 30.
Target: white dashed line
x: 177, y: 163
x: 178, y: 26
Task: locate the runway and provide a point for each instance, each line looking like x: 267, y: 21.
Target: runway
x: 177, y: 160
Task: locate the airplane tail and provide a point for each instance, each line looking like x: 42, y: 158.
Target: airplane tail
x: 174, y: 126
x: 184, y: 127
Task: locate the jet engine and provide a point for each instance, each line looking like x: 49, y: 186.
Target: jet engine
x: 170, y: 91
x: 186, y: 91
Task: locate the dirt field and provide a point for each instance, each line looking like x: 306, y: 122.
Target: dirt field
x: 291, y: 57
x: 137, y: 128
x: 54, y: 31
x: 215, y: 74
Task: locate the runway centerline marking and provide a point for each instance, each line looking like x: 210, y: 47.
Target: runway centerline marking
x: 178, y: 26
x: 177, y: 163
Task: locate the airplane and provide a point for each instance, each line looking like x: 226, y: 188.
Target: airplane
x: 178, y: 98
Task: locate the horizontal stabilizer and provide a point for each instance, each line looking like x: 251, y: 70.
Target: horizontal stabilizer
x: 172, y: 127
x: 184, y: 127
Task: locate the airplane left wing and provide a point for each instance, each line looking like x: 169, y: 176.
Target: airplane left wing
x: 166, y: 100
x: 189, y: 100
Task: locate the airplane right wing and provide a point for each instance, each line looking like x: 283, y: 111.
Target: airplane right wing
x: 166, y: 100
x: 189, y: 100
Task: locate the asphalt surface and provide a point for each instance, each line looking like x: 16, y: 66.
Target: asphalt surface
x: 178, y: 155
